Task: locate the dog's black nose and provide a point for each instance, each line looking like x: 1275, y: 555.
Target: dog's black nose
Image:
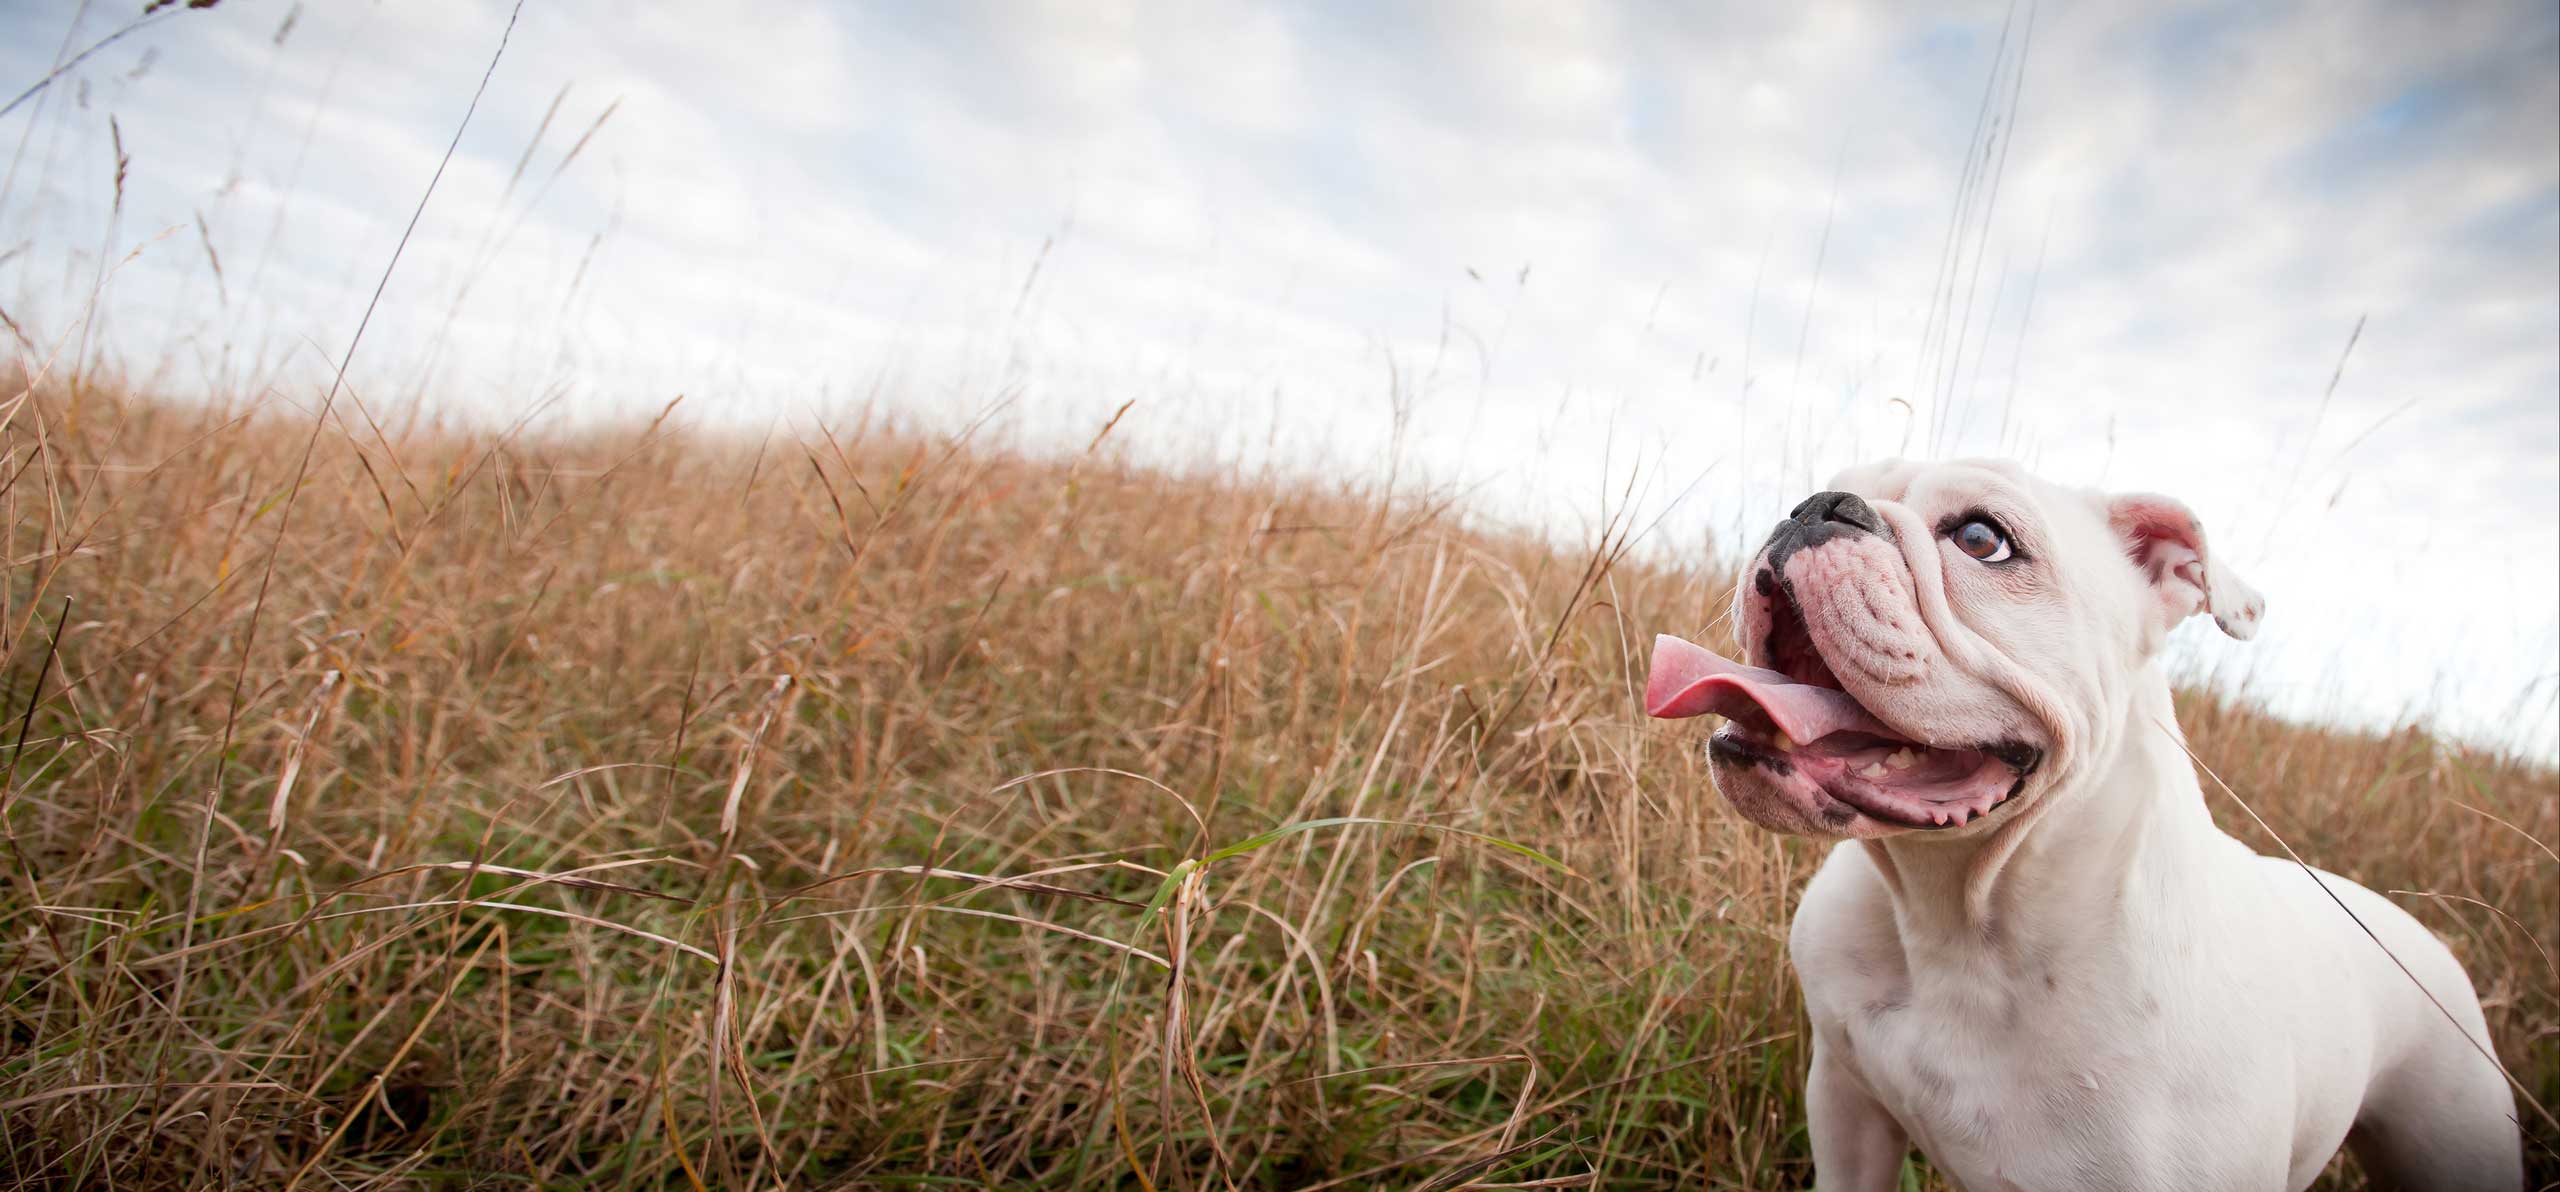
x: 1848, y: 509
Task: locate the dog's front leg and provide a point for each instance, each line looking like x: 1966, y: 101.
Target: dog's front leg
x: 1857, y: 1146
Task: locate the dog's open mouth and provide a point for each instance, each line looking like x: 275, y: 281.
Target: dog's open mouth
x: 1799, y: 721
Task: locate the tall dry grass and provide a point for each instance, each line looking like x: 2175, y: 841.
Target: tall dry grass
x: 643, y: 809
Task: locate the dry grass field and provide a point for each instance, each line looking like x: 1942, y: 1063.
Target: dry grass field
x: 648, y: 809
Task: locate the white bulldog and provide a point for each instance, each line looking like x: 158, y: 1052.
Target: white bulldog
x: 2033, y: 954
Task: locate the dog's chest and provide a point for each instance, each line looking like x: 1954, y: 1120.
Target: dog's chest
x: 2005, y: 1082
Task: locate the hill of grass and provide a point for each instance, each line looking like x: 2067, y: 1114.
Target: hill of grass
x: 638, y: 809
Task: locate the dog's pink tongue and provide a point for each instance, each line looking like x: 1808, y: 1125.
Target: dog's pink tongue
x: 1690, y: 680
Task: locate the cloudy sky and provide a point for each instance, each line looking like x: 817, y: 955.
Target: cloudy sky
x: 1725, y: 248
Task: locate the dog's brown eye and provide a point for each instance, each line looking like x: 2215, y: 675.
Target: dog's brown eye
x: 1982, y: 540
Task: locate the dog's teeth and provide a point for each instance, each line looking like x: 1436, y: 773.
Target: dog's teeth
x: 1786, y: 744
x: 1901, y: 759
x: 1872, y: 770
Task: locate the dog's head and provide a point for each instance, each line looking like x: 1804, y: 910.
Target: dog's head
x: 1931, y: 647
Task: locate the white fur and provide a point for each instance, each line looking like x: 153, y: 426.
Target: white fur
x: 2097, y: 988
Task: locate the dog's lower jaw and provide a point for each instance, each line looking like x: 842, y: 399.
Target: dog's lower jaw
x: 2058, y: 848
x: 2079, y: 760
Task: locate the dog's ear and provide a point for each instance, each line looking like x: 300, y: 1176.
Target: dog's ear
x: 2166, y: 542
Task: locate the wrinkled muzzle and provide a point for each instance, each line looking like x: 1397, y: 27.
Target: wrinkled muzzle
x: 1829, y: 599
